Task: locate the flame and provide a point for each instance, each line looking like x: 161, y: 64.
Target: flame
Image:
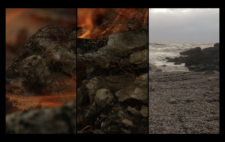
x: 86, y: 21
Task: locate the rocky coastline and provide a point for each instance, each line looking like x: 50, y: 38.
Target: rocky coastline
x: 186, y: 102
x: 197, y: 59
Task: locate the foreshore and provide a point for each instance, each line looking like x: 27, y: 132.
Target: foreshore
x: 184, y: 102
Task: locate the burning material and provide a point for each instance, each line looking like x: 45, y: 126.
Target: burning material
x: 108, y: 89
x: 112, y: 21
x: 46, y: 68
x: 114, y: 72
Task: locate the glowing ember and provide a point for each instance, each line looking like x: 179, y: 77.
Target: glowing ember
x: 46, y: 101
x: 137, y: 76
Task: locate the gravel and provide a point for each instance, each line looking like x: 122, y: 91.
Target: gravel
x: 183, y: 103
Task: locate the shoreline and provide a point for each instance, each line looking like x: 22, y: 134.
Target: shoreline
x: 184, y: 102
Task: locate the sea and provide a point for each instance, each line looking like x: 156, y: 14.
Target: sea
x: 158, y: 51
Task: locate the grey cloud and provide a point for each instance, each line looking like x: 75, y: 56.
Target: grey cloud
x: 194, y: 25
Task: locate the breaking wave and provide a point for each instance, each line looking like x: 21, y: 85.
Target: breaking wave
x: 158, y: 51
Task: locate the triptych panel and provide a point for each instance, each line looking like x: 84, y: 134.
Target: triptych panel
x: 112, y: 71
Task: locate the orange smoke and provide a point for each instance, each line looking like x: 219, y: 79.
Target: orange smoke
x: 32, y: 19
x: 86, y: 21
x: 12, y: 13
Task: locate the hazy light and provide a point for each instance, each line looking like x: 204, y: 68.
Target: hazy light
x: 159, y: 9
x: 184, y: 24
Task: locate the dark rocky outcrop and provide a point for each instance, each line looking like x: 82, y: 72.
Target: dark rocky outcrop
x: 199, y: 60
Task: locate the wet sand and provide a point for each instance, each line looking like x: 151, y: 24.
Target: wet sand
x: 183, y: 103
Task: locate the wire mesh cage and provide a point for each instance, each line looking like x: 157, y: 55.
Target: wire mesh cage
x: 112, y: 70
x: 45, y: 67
x: 107, y: 73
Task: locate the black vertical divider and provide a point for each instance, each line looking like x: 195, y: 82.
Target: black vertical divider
x: 76, y: 70
x: 148, y: 66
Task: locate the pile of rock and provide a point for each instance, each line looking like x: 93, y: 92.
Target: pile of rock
x: 199, y: 60
x: 111, y: 88
x: 59, y: 120
x: 46, y: 66
x: 112, y: 95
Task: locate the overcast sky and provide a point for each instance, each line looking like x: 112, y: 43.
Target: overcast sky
x: 184, y: 25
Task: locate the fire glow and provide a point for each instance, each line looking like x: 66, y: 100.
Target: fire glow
x: 29, y: 21
x: 137, y: 76
x: 45, y: 101
x: 86, y: 21
x: 32, y: 19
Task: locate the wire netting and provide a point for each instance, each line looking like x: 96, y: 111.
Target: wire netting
x: 54, y: 62
x: 45, y: 66
x: 112, y: 56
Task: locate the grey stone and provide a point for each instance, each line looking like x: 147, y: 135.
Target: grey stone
x: 34, y: 66
x: 113, y: 83
x: 125, y: 93
x: 132, y: 91
x: 144, y: 111
x: 140, y: 94
x: 139, y: 56
x: 103, y: 97
x: 195, y: 50
x: 89, y: 69
x: 125, y: 131
x: 133, y: 110
x: 45, y: 121
x: 122, y: 43
x: 93, y: 85
x: 209, y: 72
x: 217, y: 45
x: 91, y: 111
x: 173, y: 101
x: 158, y: 70
x: 142, y: 81
x: 102, y: 61
x: 127, y: 123
x: 60, y: 58
x: 177, y: 63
